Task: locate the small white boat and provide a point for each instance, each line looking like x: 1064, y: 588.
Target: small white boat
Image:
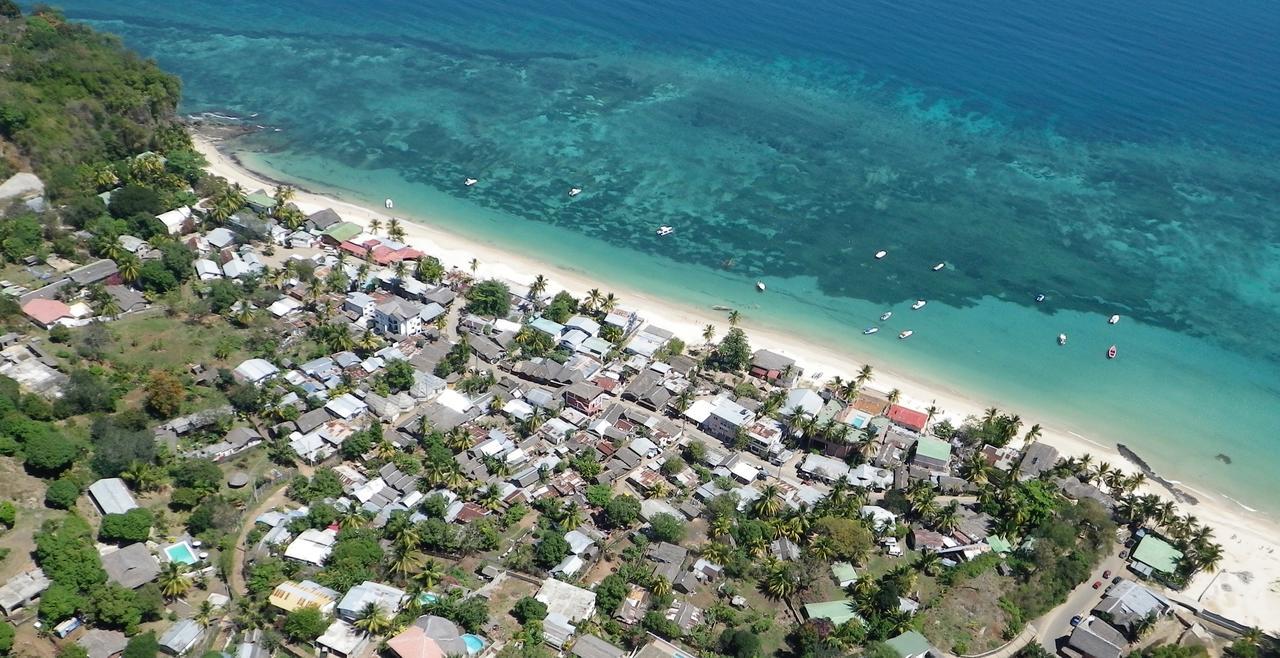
x: 870, y: 330
x: 1039, y: 298
x: 760, y: 286
x: 939, y: 266
x: 1111, y: 352
x: 1062, y: 339
x: 1113, y: 319
x: 575, y: 191
x: 665, y: 230
x: 886, y: 316
x: 469, y: 182
x: 881, y: 254
x: 905, y: 335
x: 918, y: 305
x: 389, y: 203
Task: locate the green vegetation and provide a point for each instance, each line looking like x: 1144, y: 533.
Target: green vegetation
x: 733, y: 354
x: 132, y: 526
x: 305, y: 624
x: 489, y: 298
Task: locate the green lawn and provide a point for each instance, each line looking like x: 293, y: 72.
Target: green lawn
x: 160, y: 341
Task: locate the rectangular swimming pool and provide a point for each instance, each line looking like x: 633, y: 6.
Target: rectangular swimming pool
x: 181, y: 552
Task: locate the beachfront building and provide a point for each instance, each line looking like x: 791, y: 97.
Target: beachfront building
x: 1154, y: 555
x: 774, y: 368
x: 907, y: 418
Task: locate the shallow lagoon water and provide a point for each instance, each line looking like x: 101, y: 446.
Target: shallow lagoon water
x: 1119, y: 159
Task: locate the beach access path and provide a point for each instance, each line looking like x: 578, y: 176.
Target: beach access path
x: 1249, y: 592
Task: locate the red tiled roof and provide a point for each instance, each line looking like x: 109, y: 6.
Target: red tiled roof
x: 46, y: 311
x: 414, y: 643
x: 908, y: 417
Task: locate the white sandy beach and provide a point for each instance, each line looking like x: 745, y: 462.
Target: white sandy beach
x: 1247, y: 589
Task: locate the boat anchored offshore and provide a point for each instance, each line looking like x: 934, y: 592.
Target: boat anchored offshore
x: 469, y: 182
x: 1113, y: 319
x: 939, y: 266
x: 881, y: 254
x: 1039, y: 298
x: 389, y: 203
x: 1062, y: 339
x: 665, y: 230
x: 886, y: 316
x: 575, y: 191
x: 870, y: 330
x: 905, y: 335
x: 918, y: 305
x: 1111, y: 352
x: 760, y: 286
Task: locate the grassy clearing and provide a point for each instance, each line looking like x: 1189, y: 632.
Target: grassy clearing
x: 160, y: 341
x: 969, y: 615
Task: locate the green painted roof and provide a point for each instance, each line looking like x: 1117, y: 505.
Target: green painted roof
x: 911, y: 643
x: 1157, y: 554
x: 999, y: 544
x: 844, y: 572
x: 343, y: 231
x: 837, y: 611
x: 933, y: 448
x: 261, y: 199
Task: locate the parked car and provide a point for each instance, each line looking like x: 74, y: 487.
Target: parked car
x: 1075, y: 621
x: 1106, y: 574
x: 1097, y: 584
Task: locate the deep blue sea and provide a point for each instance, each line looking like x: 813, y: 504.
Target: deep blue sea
x: 1119, y: 157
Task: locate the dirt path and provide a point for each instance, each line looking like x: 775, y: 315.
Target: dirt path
x: 236, y: 583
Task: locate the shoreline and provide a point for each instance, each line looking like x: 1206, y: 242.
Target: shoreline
x: 1246, y: 589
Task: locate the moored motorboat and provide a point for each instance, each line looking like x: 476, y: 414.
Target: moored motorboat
x: 760, y: 286
x: 939, y: 266
x: 1111, y: 352
x: 905, y: 335
x: 881, y: 254
x: 469, y: 182
x: 918, y: 305
x: 389, y: 203
x: 1062, y: 339
x: 575, y: 191
x: 1039, y: 298
x: 886, y: 316
x: 870, y: 330
x: 665, y: 230
x: 1113, y: 319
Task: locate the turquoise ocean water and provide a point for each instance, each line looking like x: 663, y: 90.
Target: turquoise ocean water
x: 1119, y: 157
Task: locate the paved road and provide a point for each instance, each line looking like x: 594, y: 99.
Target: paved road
x: 1057, y: 622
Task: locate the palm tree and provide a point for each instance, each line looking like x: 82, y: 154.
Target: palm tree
x: 431, y: 574
x: 975, y: 468
x: 474, y: 265
x: 394, y: 230
x: 779, y: 583
x: 353, y: 517
x: 894, y: 396
x: 130, y: 268
x: 822, y: 548
x: 609, y: 303
x: 660, y: 586
x: 708, y: 333
x: 571, y: 516
x: 734, y: 317
x: 593, y: 299
x: 721, y: 526
x: 373, y: 620
x: 929, y: 563
x: 173, y: 580
x: 714, y: 551
x: 205, y: 614
x: 1033, y: 433
x: 375, y: 225
x: 769, y: 503
x: 107, y: 307
x: 405, y: 561
x: 864, y: 376
x: 538, y: 287
x: 932, y: 411
x: 947, y: 519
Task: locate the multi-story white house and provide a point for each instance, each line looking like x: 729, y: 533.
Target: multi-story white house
x: 401, y: 317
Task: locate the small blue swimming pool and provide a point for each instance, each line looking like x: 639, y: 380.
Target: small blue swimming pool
x: 181, y: 552
x: 426, y: 598
x: 475, y: 643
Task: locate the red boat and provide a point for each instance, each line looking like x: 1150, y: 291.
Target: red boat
x: 1111, y: 352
